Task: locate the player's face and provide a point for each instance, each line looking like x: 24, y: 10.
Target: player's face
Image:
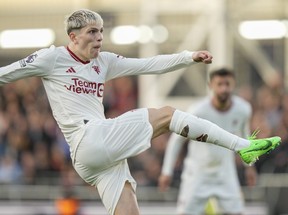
x: 89, y: 41
x: 222, y: 88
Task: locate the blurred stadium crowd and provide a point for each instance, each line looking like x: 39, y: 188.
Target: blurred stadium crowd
x: 33, y: 150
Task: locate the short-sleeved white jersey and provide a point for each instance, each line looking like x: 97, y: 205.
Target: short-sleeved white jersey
x: 209, y: 170
x: 208, y: 159
x: 236, y: 121
x: 75, y: 88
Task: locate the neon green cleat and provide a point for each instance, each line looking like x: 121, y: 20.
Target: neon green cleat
x: 258, y: 147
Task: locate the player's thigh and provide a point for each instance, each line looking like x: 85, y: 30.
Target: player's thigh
x: 127, y: 204
x: 231, y: 206
x: 127, y: 135
x: 191, y: 206
x: 193, y: 195
x: 111, y: 140
x: 109, y: 182
x: 190, y: 198
x: 230, y: 198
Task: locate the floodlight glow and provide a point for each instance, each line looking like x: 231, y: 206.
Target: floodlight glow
x: 264, y: 29
x: 123, y: 35
x: 145, y: 34
x: 160, y: 34
x: 26, y: 38
x: 128, y: 34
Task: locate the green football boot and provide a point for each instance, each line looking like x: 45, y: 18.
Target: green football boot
x: 258, y: 147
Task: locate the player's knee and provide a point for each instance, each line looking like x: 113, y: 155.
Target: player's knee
x: 167, y: 110
x: 160, y: 119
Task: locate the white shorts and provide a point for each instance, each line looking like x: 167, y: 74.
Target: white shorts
x: 101, y: 156
x: 195, y: 192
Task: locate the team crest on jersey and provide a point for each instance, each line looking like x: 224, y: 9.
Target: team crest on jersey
x: 27, y: 60
x: 96, y: 69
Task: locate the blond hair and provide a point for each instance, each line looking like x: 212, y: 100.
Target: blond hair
x: 81, y: 18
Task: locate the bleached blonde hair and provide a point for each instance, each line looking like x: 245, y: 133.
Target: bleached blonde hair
x: 81, y: 18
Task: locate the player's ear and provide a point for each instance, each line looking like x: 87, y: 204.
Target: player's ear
x: 73, y: 37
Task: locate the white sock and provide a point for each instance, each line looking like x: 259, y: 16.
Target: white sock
x: 195, y: 128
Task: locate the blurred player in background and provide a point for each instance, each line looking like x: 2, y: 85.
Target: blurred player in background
x: 210, y: 171
x: 74, y: 77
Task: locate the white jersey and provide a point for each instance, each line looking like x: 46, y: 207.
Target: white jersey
x: 212, y: 159
x: 75, y: 88
x: 205, y: 158
x: 209, y: 170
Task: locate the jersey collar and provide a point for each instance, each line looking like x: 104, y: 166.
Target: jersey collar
x: 75, y: 57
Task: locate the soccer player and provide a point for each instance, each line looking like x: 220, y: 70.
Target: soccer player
x: 210, y: 171
x: 74, y: 76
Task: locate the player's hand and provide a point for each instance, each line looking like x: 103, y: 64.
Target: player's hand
x: 164, y: 182
x: 202, y: 56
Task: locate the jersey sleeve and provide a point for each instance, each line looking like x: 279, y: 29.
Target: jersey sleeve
x: 120, y: 66
x: 246, y: 126
x: 175, y: 144
x: 40, y: 63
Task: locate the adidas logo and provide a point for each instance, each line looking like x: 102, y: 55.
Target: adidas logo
x: 70, y: 70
